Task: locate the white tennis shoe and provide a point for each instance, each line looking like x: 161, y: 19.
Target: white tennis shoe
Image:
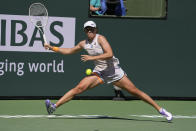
x: 50, y: 107
x: 166, y: 114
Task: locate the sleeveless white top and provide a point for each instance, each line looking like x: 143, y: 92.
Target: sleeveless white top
x: 94, y: 49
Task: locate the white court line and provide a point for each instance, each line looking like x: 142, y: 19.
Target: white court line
x: 160, y: 116
x: 91, y: 116
x: 51, y: 116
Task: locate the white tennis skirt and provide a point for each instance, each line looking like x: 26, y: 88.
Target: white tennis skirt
x: 110, y: 74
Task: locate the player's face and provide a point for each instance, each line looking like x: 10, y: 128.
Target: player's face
x: 90, y: 32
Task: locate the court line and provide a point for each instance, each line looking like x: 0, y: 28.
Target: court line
x: 91, y: 116
x: 160, y: 116
x: 52, y: 116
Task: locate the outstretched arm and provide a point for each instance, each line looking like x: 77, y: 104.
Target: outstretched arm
x: 65, y: 51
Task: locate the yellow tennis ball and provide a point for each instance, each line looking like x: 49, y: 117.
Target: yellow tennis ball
x: 88, y: 71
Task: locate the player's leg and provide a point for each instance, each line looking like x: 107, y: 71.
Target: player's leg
x: 84, y: 84
x: 126, y: 84
x: 87, y: 82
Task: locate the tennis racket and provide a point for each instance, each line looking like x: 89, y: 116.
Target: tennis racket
x: 39, y: 17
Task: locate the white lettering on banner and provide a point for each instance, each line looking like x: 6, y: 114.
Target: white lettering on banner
x: 18, y: 67
x: 46, y: 67
x: 11, y: 67
x: 17, y: 33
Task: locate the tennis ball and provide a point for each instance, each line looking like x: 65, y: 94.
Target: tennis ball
x: 88, y: 71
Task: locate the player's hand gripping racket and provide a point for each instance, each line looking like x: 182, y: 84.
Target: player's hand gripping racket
x: 39, y: 17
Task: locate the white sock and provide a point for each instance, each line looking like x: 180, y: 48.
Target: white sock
x: 161, y: 110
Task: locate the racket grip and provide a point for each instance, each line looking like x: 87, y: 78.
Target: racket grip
x: 44, y: 36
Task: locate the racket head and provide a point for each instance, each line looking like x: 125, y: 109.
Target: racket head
x: 38, y: 14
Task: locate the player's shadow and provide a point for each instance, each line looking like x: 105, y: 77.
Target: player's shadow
x: 59, y: 116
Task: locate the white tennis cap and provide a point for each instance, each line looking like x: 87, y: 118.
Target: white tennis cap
x: 90, y: 23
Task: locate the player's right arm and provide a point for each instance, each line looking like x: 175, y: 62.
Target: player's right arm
x: 66, y: 51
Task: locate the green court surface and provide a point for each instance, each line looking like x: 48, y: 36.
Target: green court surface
x: 96, y: 115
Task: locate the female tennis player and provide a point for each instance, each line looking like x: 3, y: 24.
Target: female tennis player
x: 106, y: 70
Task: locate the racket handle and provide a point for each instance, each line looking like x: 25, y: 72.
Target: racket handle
x: 44, y: 36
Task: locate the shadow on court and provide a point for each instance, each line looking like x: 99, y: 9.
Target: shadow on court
x: 60, y: 116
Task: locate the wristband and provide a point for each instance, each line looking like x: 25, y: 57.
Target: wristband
x: 55, y: 49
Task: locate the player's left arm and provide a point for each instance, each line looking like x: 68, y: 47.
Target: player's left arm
x: 108, y: 53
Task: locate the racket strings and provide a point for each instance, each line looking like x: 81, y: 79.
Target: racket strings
x: 38, y: 10
x: 38, y: 14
